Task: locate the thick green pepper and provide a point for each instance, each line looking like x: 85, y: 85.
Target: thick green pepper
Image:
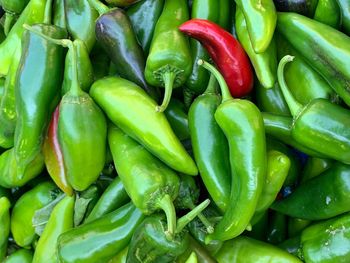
x: 245, y: 249
x: 303, y: 81
x: 4, y: 225
x: 80, y: 19
x: 210, y: 146
x: 344, y: 6
x: 178, y: 120
x: 328, y: 12
x: 36, y: 98
x: 100, y: 240
x: 144, y: 16
x: 314, y: 167
x: 169, y: 61
x: 23, y: 211
x: 261, y: 17
x: 324, y: 48
x: 60, y: 221
x: 150, y: 184
x: 321, y: 197
x: 264, y: 63
x: 320, y: 125
x: 243, y: 126
x: 327, y: 241
x: 20, y: 256
x: 10, y: 47
x: 132, y: 110
x: 112, y: 198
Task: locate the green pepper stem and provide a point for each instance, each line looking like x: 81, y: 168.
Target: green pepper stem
x: 166, y: 204
x: 75, y: 88
x: 293, y: 105
x: 169, y: 78
x: 203, y: 219
x: 225, y: 92
x: 8, y: 23
x: 184, y: 220
x: 212, y: 85
x: 48, y: 11
x: 100, y: 8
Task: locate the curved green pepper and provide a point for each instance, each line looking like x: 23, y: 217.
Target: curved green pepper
x: 178, y: 120
x: 210, y: 146
x: 100, y: 240
x: 344, y: 6
x: 245, y: 249
x: 314, y: 167
x: 168, y: 63
x: 24, y: 209
x: 328, y: 12
x: 144, y: 16
x: 60, y: 221
x: 112, y: 198
x: 20, y: 256
x: 261, y: 17
x: 243, y: 126
x: 322, y: 197
x: 4, y: 225
x: 128, y: 107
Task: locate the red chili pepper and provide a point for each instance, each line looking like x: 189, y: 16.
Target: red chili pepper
x: 226, y: 52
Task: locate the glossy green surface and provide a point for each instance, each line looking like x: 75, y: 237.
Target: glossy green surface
x: 128, y: 107
x: 14, y: 6
x: 4, y: 225
x: 292, y: 246
x: 314, y: 167
x: 178, y: 119
x: 344, y: 6
x: 296, y: 225
x: 20, y: 256
x: 328, y: 12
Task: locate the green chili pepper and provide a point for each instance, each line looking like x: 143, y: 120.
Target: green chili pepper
x: 314, y: 167
x: 150, y: 184
x: 144, y: 16
x: 59, y: 14
x: 178, y: 120
x: 80, y: 19
x: 112, y: 198
x: 9, y: 49
x: 60, y: 221
x: 243, y: 127
x: 20, y: 256
x: 4, y: 225
x: 304, y: 82
x: 327, y: 241
x: 132, y: 110
x: 250, y: 250
x: 210, y: 146
x: 324, y: 48
x: 328, y: 12
x: 277, y: 228
x: 169, y: 61
x: 24, y: 209
x: 344, y: 6
x: 296, y: 225
x: 321, y: 197
x: 101, y: 239
x: 261, y: 17
x: 13, y: 8
x: 306, y: 128
x: 264, y: 63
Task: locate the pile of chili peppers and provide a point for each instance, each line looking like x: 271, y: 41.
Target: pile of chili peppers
x: 175, y: 131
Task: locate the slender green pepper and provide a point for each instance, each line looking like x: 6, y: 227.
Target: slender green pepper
x: 178, y: 120
x: 320, y: 125
x: 277, y: 228
x: 321, y: 197
x: 314, y: 167
x: 261, y: 17
x: 36, y: 100
x: 80, y: 19
x: 344, y: 6
x: 243, y: 126
x: 60, y: 221
x: 323, y: 47
x: 9, y: 48
x: 328, y: 12
x: 23, y: 211
x: 112, y: 198
x: 144, y: 16
x: 264, y: 63
x: 132, y: 110
x: 150, y: 184
x: 225, y: 13
x: 245, y: 249
x: 59, y: 14
x: 20, y: 256
x: 169, y: 61
x: 4, y: 225
x: 100, y: 240
x: 327, y: 241
x: 210, y: 146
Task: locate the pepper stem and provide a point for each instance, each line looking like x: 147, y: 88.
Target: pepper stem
x: 212, y: 85
x: 48, y: 11
x: 166, y: 204
x: 203, y: 219
x: 75, y: 88
x: 169, y: 78
x: 293, y: 104
x: 225, y: 92
x: 184, y: 220
x: 8, y: 23
x: 100, y: 8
